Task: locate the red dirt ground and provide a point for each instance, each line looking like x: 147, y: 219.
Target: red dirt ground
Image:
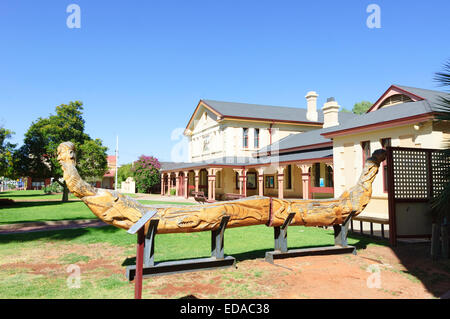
x: 375, y: 272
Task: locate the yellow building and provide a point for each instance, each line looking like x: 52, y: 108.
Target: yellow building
x: 238, y: 149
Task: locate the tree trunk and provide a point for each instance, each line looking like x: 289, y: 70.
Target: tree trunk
x: 435, y: 240
x: 444, y: 238
x: 65, y: 197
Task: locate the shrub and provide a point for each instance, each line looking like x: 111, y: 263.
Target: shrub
x: 146, y: 173
x: 53, y: 188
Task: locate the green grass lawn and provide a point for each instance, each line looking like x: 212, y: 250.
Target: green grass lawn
x: 22, y: 212
x: 31, y: 195
x: 41, y: 210
x: 34, y: 265
x: 243, y: 243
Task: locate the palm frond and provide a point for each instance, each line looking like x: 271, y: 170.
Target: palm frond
x: 441, y: 203
x: 443, y: 78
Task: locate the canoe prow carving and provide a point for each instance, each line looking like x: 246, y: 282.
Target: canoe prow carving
x: 123, y: 212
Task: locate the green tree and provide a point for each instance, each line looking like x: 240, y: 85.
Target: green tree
x: 92, y: 160
x: 37, y: 157
x: 124, y: 172
x: 146, y: 173
x: 6, y: 153
x: 361, y: 107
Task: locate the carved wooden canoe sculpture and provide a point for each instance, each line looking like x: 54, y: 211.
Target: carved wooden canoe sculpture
x: 123, y: 211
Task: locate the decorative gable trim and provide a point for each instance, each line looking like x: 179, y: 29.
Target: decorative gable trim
x: 393, y: 90
x: 206, y: 106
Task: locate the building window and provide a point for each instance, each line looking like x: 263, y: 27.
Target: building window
x: 203, y: 180
x: 329, y: 178
x: 37, y: 185
x: 270, y: 182
x: 256, y: 138
x: 365, y: 150
x: 385, y: 142
x: 316, y: 170
x: 245, y: 137
x: 219, y: 179
x: 396, y: 99
x: 288, y: 177
x: 251, y: 180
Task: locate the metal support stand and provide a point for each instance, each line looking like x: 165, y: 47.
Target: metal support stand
x: 340, y: 243
x: 341, y: 232
x: 150, y: 268
x: 149, y: 246
x: 217, y: 250
x: 280, y: 234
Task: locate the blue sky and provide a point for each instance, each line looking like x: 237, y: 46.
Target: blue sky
x: 140, y: 67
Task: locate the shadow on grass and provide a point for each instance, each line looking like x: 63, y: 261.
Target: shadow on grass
x: 14, y: 195
x: 39, y: 203
x: 25, y: 221
x: 362, y: 243
x: 57, y: 235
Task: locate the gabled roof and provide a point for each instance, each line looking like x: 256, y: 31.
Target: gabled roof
x: 433, y: 97
x: 258, y: 111
x: 297, y: 141
x: 405, y: 113
x: 111, y: 159
x: 426, y: 103
x: 265, y: 113
x: 415, y: 94
x: 307, y: 140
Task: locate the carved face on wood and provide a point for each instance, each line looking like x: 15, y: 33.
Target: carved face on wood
x: 66, y: 153
x: 378, y: 156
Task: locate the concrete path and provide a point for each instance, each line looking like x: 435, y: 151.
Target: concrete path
x: 157, y: 197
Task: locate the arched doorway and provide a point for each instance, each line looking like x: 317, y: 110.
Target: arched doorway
x: 203, y: 181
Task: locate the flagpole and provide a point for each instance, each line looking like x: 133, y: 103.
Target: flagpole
x: 117, y: 160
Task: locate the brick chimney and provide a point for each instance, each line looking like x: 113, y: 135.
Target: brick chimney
x: 311, y: 102
x: 330, y: 113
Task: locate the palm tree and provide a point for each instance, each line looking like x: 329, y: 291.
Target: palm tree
x: 441, y: 203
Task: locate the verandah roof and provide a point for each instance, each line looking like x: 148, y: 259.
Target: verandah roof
x: 304, y: 156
